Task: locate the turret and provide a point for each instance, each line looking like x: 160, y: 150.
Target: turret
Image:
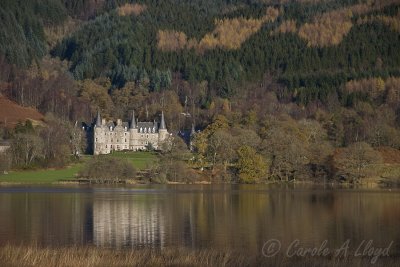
x: 98, y: 135
x: 162, y: 131
x: 155, y: 126
x: 98, y: 119
x: 162, y: 124
x: 133, y: 132
x: 133, y: 123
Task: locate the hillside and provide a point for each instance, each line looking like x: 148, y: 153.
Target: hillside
x: 283, y: 83
x: 311, y: 48
x: 12, y: 113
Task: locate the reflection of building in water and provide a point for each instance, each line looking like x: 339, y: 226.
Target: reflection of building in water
x: 127, y: 223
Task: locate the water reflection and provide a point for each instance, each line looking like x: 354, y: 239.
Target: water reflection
x: 198, y: 217
x: 45, y: 218
x: 122, y: 223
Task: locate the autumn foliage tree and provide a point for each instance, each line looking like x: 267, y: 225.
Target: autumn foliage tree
x: 353, y: 161
x: 251, y: 166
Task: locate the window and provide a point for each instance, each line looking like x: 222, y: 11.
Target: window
x: 112, y: 141
x: 125, y: 134
x: 147, y: 136
x: 125, y: 140
x: 106, y: 146
x: 117, y: 141
x: 96, y: 139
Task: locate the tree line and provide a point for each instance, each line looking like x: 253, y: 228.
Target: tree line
x: 53, y: 144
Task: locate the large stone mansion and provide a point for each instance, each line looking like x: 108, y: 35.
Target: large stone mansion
x: 109, y: 136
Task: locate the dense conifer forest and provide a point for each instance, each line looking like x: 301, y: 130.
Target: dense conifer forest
x: 302, y: 88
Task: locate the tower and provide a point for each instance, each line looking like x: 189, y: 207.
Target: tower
x: 162, y: 131
x: 133, y: 132
x: 98, y: 141
x: 133, y: 122
x: 98, y: 119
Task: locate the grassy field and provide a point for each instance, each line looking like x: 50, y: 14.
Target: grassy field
x: 140, y: 160
x: 41, y: 176
x: 90, y: 256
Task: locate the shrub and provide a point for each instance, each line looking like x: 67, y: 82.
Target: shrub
x: 105, y: 168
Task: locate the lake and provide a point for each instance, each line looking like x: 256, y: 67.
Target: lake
x: 240, y: 217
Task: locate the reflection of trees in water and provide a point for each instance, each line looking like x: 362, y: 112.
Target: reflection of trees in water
x: 45, y: 218
x: 242, y: 218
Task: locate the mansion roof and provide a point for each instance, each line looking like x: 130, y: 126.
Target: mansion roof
x: 141, y: 126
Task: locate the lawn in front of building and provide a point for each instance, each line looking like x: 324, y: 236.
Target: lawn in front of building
x: 140, y: 160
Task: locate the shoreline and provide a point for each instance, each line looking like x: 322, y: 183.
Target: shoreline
x: 370, y: 184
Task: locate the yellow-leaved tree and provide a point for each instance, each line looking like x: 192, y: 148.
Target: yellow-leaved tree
x: 252, y: 167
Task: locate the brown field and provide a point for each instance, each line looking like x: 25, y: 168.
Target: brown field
x: 328, y: 29
x: 228, y: 34
x: 390, y: 155
x: 129, y: 9
x: 89, y: 256
x: 11, y: 113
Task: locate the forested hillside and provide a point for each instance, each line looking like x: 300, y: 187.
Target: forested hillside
x: 322, y: 73
x: 236, y: 41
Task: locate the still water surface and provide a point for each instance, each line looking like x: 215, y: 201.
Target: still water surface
x: 220, y: 217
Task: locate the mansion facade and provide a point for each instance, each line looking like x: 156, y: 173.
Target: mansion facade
x: 134, y: 136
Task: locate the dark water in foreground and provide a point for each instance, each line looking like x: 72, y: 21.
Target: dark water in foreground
x: 220, y: 217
